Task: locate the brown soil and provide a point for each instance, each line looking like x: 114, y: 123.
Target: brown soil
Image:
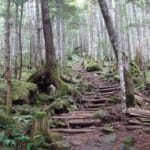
x: 87, y: 133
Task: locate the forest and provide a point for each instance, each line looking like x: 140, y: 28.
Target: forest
x: 74, y: 74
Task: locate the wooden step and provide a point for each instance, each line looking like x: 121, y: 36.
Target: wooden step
x: 94, y: 105
x: 96, y: 101
x: 72, y: 117
x: 84, y: 123
x: 72, y: 131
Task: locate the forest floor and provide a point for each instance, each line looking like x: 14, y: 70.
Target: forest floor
x: 98, y: 123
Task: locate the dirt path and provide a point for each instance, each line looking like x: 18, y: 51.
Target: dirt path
x: 98, y: 123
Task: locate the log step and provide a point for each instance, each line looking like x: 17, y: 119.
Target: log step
x: 84, y: 123
x: 94, y: 105
x: 72, y: 131
x: 95, y: 101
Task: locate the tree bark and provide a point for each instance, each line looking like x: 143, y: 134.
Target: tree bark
x: 110, y: 27
x: 48, y: 35
x: 114, y: 37
x: 16, y: 41
x: 20, y: 41
x: 8, y: 55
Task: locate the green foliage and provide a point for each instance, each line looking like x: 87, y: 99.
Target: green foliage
x: 39, y: 141
x: 25, y: 121
x: 4, y: 140
x: 6, y: 120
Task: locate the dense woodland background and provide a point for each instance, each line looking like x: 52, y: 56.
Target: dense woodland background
x: 42, y: 40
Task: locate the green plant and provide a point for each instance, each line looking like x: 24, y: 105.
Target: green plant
x: 6, y: 141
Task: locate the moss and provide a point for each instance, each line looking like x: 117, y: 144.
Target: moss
x: 130, y: 100
x: 113, y: 99
x: 6, y: 120
x: 63, y: 89
x: 2, y: 101
x: 40, y: 115
x: 116, y: 77
x: 92, y: 66
x: 129, y: 141
x: 22, y: 90
x: 108, y: 130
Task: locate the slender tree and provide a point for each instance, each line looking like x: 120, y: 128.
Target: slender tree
x: 124, y: 72
x: 7, y: 55
x: 16, y: 40
x: 20, y: 39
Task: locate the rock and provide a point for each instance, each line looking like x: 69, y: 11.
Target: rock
x: 125, y: 147
x: 100, y: 114
x: 76, y: 142
x: 129, y: 141
x: 109, y: 139
x: 62, y: 145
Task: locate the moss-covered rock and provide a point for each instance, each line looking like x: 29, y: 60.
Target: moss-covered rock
x: 108, y: 130
x: 61, y: 105
x: 113, y: 99
x: 55, y: 136
x: 22, y: 90
x: 92, y: 66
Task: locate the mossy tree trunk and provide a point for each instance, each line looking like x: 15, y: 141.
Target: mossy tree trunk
x: 50, y: 73
x: 129, y: 94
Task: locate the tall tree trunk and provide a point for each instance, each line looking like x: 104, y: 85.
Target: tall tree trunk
x: 38, y: 33
x: 110, y: 27
x: 7, y: 55
x: 16, y: 41
x: 48, y: 35
x: 32, y: 46
x: 114, y: 37
x: 20, y: 41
